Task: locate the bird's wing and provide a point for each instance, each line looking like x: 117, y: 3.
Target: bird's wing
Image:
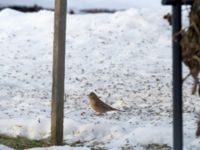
x: 105, y: 106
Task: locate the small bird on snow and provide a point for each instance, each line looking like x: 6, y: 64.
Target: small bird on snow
x: 98, y: 105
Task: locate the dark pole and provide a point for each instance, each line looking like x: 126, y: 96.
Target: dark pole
x: 177, y: 78
x: 173, y: 2
x: 177, y: 71
x: 58, y: 72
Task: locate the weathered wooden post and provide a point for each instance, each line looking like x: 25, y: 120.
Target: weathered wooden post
x: 58, y: 72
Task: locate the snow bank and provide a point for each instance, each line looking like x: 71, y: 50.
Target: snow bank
x: 3, y: 147
x: 86, y: 4
x: 61, y: 148
x: 33, y: 129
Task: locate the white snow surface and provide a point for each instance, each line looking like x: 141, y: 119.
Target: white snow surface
x: 61, y: 148
x: 86, y: 4
x: 124, y: 57
x: 3, y: 147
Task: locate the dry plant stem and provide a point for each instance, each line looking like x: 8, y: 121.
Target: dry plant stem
x: 189, y: 74
x: 195, y: 86
x: 190, y: 44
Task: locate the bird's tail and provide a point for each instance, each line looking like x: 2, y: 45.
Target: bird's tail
x: 115, y: 109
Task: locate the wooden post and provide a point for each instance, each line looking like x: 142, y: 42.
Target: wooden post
x: 57, y: 113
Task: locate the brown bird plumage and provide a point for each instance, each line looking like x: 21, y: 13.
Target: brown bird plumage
x: 98, y: 105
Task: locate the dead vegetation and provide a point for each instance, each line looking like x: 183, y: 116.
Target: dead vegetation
x: 190, y: 44
x: 168, y: 17
x: 21, y: 143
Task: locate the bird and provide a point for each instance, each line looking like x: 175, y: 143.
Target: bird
x: 98, y: 105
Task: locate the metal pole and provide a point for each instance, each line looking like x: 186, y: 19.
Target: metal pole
x: 173, y: 2
x: 177, y: 79
x: 58, y: 72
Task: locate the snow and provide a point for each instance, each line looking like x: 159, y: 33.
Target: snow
x: 3, y: 147
x: 85, y: 4
x: 61, y: 148
x: 124, y: 57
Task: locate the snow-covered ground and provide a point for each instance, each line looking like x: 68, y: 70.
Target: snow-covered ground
x: 3, y: 147
x: 86, y: 4
x: 124, y: 57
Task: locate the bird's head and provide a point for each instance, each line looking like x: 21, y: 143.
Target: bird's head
x: 92, y: 95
